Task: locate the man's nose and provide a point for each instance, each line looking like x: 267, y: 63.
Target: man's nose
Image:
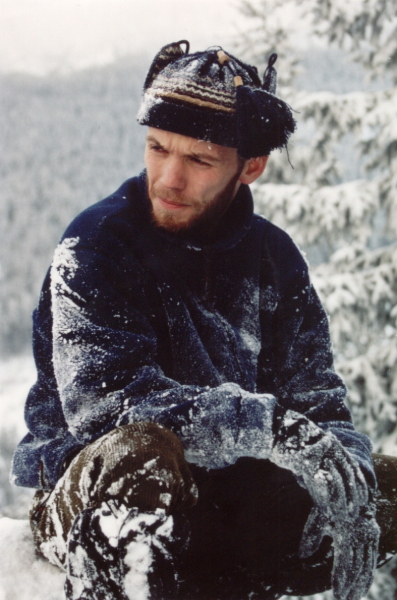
x: 174, y: 176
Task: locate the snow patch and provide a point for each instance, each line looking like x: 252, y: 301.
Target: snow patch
x: 148, y: 102
x: 23, y: 575
x: 64, y: 268
x: 139, y: 560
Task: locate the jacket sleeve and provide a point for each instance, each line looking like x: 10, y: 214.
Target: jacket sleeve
x: 301, y: 353
x: 104, y: 357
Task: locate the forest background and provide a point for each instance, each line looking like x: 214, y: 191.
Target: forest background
x: 70, y: 140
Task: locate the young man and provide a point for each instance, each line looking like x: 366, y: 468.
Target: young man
x: 188, y: 434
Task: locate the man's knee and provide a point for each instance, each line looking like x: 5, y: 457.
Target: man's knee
x: 140, y: 465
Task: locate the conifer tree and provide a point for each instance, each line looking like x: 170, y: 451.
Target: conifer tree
x: 340, y: 201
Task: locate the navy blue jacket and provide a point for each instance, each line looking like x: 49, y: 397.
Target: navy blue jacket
x: 135, y: 323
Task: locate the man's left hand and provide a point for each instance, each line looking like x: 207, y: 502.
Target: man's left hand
x: 342, y: 507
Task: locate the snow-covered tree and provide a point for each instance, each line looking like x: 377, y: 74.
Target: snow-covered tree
x: 340, y: 201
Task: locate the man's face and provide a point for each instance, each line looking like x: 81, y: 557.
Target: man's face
x: 191, y: 183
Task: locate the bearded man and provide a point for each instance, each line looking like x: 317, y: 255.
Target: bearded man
x: 188, y: 434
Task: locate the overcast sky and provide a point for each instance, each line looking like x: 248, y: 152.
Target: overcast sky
x: 39, y: 36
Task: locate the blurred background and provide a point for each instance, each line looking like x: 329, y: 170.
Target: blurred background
x: 71, y: 74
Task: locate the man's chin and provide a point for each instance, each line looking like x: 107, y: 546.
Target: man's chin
x: 172, y: 223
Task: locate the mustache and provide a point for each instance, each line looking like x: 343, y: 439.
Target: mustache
x: 170, y: 195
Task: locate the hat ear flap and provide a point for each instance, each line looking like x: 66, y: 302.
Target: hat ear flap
x: 163, y: 58
x: 264, y: 122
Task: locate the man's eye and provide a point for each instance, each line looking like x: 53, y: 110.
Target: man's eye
x: 198, y: 161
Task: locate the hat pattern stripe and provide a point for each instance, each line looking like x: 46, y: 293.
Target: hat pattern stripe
x: 182, y: 84
x: 190, y: 100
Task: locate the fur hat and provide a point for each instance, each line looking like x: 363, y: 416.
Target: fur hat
x: 215, y: 97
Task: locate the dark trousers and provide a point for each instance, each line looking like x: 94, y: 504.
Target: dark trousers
x: 245, y: 528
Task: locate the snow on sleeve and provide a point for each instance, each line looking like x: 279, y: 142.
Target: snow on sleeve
x: 64, y: 265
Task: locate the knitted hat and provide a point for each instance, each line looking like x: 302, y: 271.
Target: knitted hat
x: 215, y: 97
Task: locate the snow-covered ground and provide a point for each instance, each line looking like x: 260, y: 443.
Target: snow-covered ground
x: 23, y: 576
x: 16, y: 376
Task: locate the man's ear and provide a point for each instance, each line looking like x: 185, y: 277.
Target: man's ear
x: 253, y: 169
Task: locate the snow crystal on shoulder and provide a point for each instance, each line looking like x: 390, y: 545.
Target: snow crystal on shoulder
x: 64, y: 267
x: 64, y: 257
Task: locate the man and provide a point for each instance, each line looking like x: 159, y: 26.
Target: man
x: 188, y: 434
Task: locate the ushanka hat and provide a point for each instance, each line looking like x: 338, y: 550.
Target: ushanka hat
x: 215, y: 97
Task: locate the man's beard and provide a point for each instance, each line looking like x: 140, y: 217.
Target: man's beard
x: 205, y: 222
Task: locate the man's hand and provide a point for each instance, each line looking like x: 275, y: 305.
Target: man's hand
x: 342, y: 507
x: 223, y: 425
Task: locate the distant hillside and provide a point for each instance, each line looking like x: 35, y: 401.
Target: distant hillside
x: 66, y: 143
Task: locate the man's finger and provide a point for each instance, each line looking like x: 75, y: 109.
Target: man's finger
x: 339, y: 496
x: 365, y: 576
x: 313, y: 534
x: 342, y: 569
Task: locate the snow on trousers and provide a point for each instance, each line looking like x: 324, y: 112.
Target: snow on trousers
x: 140, y: 465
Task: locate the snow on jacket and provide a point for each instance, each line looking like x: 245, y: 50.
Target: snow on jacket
x: 135, y: 323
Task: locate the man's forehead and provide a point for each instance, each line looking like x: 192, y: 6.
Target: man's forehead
x: 188, y: 145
